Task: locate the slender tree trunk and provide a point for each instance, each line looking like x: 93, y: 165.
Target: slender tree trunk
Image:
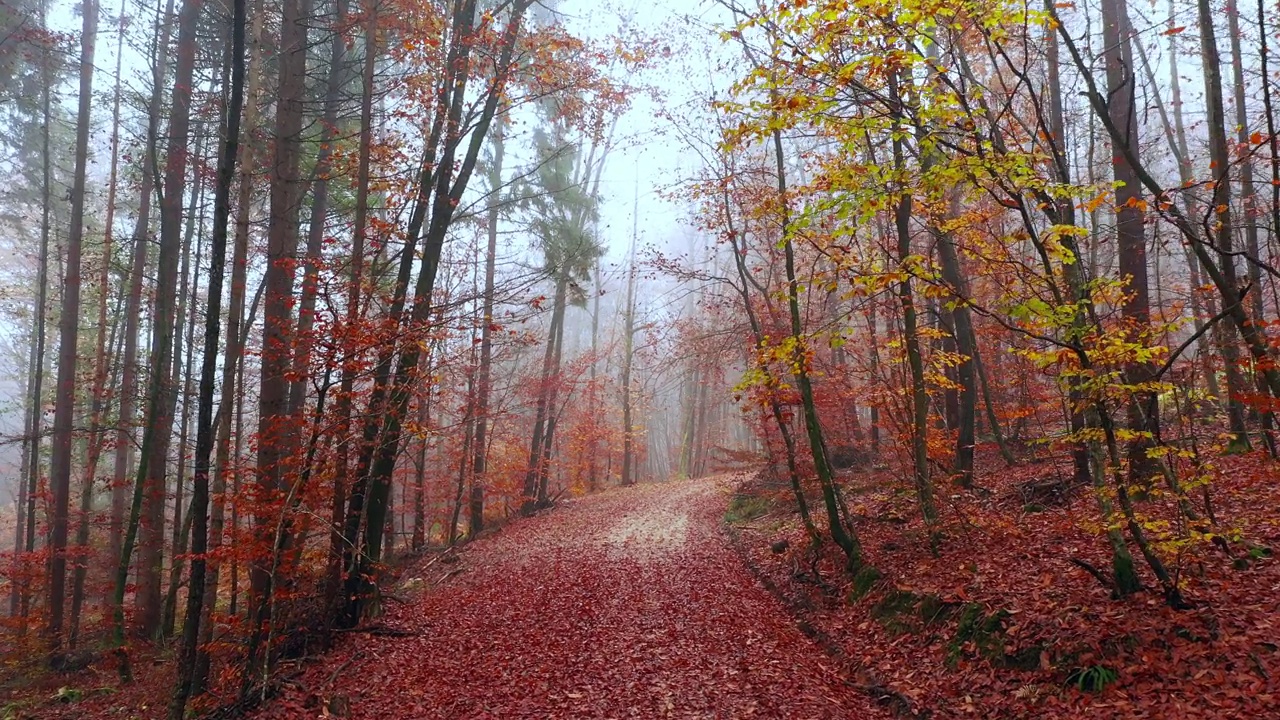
x: 468, y: 437
x: 420, y: 475
x: 911, y: 338
x: 147, y: 512
x: 1248, y: 199
x: 133, y: 307
x: 182, y: 360
x: 276, y: 433
x: 337, y: 538
x: 1065, y: 211
x: 1143, y: 408
x: 966, y: 342
x: 484, y: 371
x: 101, y: 394
x: 628, y: 355
x: 1220, y: 161
x: 840, y: 533
x: 545, y: 407
x: 69, y: 336
x: 553, y: 408
x: 35, y: 429
x: 232, y: 366
x: 319, y: 211
x: 157, y: 435
x: 193, y: 666
x: 29, y: 458
x: 389, y: 395
x: 1177, y: 139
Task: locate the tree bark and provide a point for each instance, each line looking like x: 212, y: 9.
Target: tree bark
x: 277, y: 426
x: 69, y: 336
x: 484, y: 371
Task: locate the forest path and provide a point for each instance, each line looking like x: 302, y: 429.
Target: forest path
x: 625, y: 604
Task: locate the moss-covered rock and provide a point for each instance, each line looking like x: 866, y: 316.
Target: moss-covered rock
x: 985, y: 633
x: 934, y: 610
x: 896, y: 610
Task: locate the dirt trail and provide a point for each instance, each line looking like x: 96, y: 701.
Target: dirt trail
x: 627, y: 604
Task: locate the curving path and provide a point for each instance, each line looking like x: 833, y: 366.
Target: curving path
x: 627, y: 604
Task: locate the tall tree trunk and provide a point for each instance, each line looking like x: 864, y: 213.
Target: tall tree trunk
x: 68, y: 338
x: 545, y: 406
x: 420, y: 472
x: 961, y: 325
x: 100, y: 394
x: 840, y: 533
x: 146, y: 521
x: 193, y: 665
x: 1273, y: 142
x: 1248, y: 200
x: 910, y: 335
x: 276, y: 431
x: 182, y: 360
x: 1220, y: 162
x: 628, y: 356
x: 232, y: 366
x: 1249, y: 210
x: 484, y: 371
x: 464, y: 461
x: 337, y: 537
x: 381, y: 440
x: 319, y: 211
x: 34, y: 430
x: 553, y: 405
x: 133, y: 306
x: 1177, y: 138
x: 1143, y: 408
x: 1065, y: 214
x: 29, y: 459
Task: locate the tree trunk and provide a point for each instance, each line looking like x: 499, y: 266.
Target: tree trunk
x: 149, y: 495
x: 484, y: 372
x: 381, y: 444
x: 100, y: 393
x: 842, y: 535
x: 1220, y: 161
x: 1065, y: 214
x: 69, y: 336
x: 1143, y: 408
x: 337, y: 538
x: 276, y: 425
x: 319, y: 212
x: 911, y: 338
x: 34, y: 430
x: 182, y: 360
x: 545, y: 407
x: 628, y: 355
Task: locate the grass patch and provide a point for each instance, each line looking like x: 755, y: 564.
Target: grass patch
x: 1092, y: 678
x: 744, y: 508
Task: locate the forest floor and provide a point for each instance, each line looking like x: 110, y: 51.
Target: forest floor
x: 626, y: 604
x: 1000, y: 623
x: 639, y: 603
